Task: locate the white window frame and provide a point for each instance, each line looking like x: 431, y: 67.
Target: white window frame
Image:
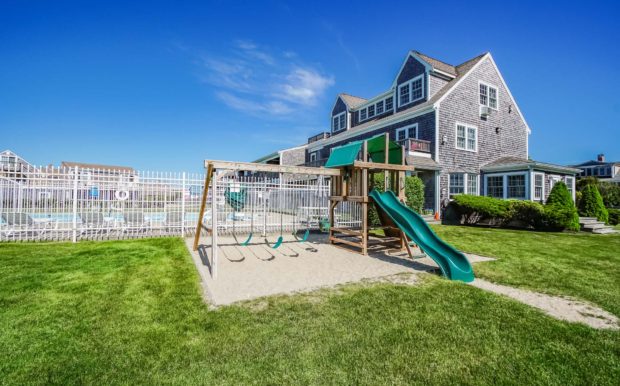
x: 385, y: 109
x: 365, y: 114
x: 524, y: 175
x: 313, y: 156
x: 542, y: 192
x: 527, y: 193
x: 406, y: 130
x: 466, y: 183
x: 571, y: 186
x: 336, y: 126
x: 489, y: 86
x: 382, y: 103
x: 408, y: 84
x: 467, y: 127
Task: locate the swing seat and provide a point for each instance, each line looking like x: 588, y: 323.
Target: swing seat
x: 305, y: 238
x: 278, y: 243
x: 247, y: 241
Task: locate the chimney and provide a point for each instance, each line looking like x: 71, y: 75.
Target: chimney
x: 600, y: 157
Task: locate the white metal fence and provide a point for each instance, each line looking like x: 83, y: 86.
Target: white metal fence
x: 52, y: 203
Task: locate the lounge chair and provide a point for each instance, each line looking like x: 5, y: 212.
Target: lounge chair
x: 135, y: 222
x: 174, y: 221
x: 20, y: 225
x: 93, y: 223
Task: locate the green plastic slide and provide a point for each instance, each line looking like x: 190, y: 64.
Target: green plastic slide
x: 453, y: 264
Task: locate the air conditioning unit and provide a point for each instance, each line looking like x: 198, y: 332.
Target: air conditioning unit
x: 485, y: 111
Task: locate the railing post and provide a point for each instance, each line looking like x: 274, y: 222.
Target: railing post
x: 75, y: 203
x: 183, y: 205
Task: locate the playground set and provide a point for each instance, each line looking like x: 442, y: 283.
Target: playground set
x: 351, y: 170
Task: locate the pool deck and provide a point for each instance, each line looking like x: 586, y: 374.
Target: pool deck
x: 256, y: 271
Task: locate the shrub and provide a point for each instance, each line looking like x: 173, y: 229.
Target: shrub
x: 526, y: 214
x: 474, y: 209
x: 585, y: 181
x: 610, y: 193
x: 560, y: 211
x: 414, y: 195
x: 591, y: 204
x: 614, y: 216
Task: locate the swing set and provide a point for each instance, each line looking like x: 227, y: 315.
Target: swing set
x: 236, y: 200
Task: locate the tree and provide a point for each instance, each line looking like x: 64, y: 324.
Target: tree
x: 591, y: 204
x: 560, y: 211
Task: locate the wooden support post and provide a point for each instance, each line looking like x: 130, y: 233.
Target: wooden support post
x: 387, y: 148
x: 203, y: 203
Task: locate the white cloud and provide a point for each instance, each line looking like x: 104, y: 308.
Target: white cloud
x: 252, y: 80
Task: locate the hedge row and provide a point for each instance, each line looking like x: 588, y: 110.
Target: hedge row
x: 558, y: 214
x: 414, y: 195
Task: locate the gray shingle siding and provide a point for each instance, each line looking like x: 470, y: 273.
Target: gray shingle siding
x: 293, y: 156
x: 462, y: 105
x: 435, y: 84
x: 411, y: 69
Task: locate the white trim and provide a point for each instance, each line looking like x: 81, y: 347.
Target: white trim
x: 533, y: 190
x: 456, y: 140
x: 465, y: 183
x: 393, y: 119
x: 572, y: 187
x: 489, y: 86
x: 437, y: 191
x: 313, y: 155
x: 337, y: 116
x: 408, y: 84
x: 437, y: 139
x: 444, y: 73
x: 458, y: 82
x: 504, y: 176
x: 426, y: 65
x: 406, y: 130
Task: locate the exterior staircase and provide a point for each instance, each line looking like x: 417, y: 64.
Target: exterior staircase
x: 591, y: 224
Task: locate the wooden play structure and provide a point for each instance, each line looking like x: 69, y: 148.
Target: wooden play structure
x: 358, y: 162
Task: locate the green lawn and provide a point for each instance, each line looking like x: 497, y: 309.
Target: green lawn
x: 131, y: 312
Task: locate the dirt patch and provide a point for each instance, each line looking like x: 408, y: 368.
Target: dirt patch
x: 562, y: 308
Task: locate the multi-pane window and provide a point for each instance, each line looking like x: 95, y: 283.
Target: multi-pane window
x: 495, y: 186
x: 539, y: 185
x: 488, y: 95
x: 312, y: 157
x: 516, y: 186
x: 411, y: 91
x: 466, y: 137
x: 407, y: 132
x: 339, y: 122
x: 457, y: 183
x: 363, y: 115
x: 379, y: 107
x: 472, y: 184
x: 569, y: 184
x: 371, y: 111
x: 389, y: 103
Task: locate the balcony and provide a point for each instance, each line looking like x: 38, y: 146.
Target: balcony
x: 319, y: 137
x: 316, y: 163
x: 419, y: 145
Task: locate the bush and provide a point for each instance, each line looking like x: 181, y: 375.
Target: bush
x: 526, y: 214
x: 474, y: 209
x: 414, y: 195
x: 591, y: 204
x: 560, y: 211
x: 610, y: 193
x: 614, y: 216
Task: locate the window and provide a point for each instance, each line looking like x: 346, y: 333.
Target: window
x: 371, y: 111
x: 495, y: 186
x: 466, y: 137
x: 516, y: 186
x: 472, y: 184
x: 339, y: 121
x: 362, y: 114
x: 488, y: 95
x: 411, y: 91
x: 312, y: 157
x: 379, y: 107
x: 539, y: 186
x: 457, y: 184
x: 389, y: 103
x: 407, y: 132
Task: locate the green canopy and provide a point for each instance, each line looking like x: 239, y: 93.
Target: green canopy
x: 347, y: 154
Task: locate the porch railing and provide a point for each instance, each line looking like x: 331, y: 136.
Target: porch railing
x: 412, y: 144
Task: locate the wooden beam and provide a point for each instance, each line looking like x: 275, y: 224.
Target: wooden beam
x: 256, y: 167
x: 380, y: 166
x: 344, y: 241
x: 350, y: 198
x: 347, y: 231
x: 203, y: 203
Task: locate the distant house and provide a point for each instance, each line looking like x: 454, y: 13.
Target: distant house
x: 98, y: 172
x: 10, y: 162
x: 601, y: 169
x: 460, y: 125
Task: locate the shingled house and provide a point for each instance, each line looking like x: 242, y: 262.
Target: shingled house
x: 460, y: 125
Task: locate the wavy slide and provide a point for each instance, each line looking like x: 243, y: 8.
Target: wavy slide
x: 453, y: 264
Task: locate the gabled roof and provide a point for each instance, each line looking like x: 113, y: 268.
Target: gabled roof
x: 437, y: 64
x: 596, y: 163
x: 515, y: 163
x: 70, y: 164
x: 352, y: 101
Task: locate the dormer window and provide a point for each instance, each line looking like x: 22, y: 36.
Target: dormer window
x: 389, y: 104
x: 411, y: 91
x: 379, y: 107
x: 363, y: 115
x: 339, y: 122
x: 488, y: 95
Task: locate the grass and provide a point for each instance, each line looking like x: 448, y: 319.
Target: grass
x: 576, y: 264
x: 131, y: 312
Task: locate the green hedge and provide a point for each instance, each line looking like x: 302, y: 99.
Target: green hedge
x: 614, y: 216
x: 559, y: 214
x: 414, y: 195
x: 591, y: 203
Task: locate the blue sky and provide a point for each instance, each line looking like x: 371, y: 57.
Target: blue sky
x: 164, y: 85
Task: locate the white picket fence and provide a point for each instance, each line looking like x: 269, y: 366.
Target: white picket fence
x: 55, y: 203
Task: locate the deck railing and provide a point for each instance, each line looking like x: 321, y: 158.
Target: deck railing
x: 412, y: 144
x: 319, y: 137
